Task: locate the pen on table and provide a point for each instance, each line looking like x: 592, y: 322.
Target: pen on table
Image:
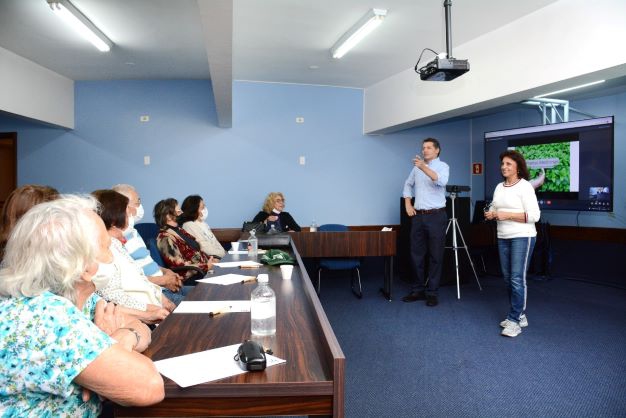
x: 249, y: 279
x: 249, y: 267
x: 221, y: 310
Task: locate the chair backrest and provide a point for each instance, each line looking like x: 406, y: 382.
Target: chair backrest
x: 149, y: 232
x: 332, y: 228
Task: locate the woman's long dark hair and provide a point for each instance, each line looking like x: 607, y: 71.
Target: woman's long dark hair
x: 190, y: 207
x: 522, y: 170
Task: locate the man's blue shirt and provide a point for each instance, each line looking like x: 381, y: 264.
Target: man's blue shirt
x: 428, y: 194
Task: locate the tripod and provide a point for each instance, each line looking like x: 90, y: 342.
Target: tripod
x: 455, y: 227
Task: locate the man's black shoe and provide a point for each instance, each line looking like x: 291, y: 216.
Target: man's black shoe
x: 431, y: 300
x: 414, y: 296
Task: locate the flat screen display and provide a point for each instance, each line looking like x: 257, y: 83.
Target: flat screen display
x: 570, y: 163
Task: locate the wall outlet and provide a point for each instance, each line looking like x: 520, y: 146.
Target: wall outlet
x: 299, y: 119
x: 146, y: 160
x: 144, y: 118
x: 302, y: 160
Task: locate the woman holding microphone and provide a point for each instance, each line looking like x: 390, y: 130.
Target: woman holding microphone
x: 516, y: 210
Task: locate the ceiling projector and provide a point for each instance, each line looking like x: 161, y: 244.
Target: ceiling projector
x: 443, y: 69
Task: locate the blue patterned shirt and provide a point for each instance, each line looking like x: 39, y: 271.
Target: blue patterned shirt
x: 428, y: 194
x: 45, y: 342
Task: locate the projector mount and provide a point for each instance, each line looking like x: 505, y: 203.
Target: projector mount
x: 443, y: 68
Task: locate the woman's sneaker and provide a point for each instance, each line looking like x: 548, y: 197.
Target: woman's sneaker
x: 512, y: 329
x: 523, y: 322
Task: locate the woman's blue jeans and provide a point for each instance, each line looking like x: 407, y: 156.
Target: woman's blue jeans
x: 515, y: 256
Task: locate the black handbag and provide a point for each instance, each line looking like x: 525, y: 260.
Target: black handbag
x: 259, y: 227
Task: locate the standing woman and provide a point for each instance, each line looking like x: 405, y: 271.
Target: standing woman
x: 273, y: 213
x: 516, y: 210
x: 193, y: 221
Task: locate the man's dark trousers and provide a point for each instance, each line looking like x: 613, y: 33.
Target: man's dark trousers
x: 428, y: 236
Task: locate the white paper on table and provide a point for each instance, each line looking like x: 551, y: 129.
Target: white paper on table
x: 207, y: 306
x: 225, y: 279
x: 246, y: 263
x: 386, y: 229
x: 205, y: 366
x: 244, y: 252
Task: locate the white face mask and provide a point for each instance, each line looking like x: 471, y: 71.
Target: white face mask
x: 204, y: 213
x: 139, y: 215
x: 105, y: 272
x: 131, y: 225
x: 276, y: 211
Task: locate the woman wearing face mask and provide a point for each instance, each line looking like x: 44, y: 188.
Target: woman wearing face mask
x: 193, y: 221
x: 61, y: 346
x: 170, y: 282
x: 273, y: 214
x: 176, y: 246
x: 123, y: 281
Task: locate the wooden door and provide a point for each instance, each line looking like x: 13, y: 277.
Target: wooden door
x: 8, y: 165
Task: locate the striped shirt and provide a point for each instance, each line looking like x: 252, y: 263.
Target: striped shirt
x: 137, y: 249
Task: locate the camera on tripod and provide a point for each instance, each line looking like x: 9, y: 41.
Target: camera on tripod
x: 457, y: 189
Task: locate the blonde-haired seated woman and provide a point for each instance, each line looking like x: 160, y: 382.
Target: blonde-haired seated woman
x: 273, y: 214
x: 60, y: 345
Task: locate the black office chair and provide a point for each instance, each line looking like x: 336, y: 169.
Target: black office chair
x: 149, y: 232
x: 339, y: 263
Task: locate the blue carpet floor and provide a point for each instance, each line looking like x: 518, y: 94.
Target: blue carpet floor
x: 409, y: 360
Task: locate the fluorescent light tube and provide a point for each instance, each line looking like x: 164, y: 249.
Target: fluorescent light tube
x: 80, y: 24
x: 372, y: 19
x: 569, y: 89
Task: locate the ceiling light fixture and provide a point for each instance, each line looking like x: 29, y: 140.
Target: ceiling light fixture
x: 81, y: 24
x: 593, y: 83
x: 356, y: 33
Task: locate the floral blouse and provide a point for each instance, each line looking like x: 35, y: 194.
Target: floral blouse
x: 45, y: 342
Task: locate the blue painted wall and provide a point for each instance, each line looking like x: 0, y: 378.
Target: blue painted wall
x: 348, y: 177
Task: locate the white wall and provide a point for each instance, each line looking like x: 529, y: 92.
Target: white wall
x: 566, y: 43
x: 34, y: 92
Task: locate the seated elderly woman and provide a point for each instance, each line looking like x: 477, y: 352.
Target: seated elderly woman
x: 123, y: 281
x: 273, y: 214
x: 193, y: 221
x: 18, y: 203
x: 176, y: 246
x: 58, y: 341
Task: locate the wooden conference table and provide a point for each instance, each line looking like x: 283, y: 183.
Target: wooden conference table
x: 311, y: 382
x: 351, y: 244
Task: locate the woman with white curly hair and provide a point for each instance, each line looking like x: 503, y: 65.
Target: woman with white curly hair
x: 58, y: 341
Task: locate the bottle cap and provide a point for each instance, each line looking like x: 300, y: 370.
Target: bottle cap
x: 263, y: 278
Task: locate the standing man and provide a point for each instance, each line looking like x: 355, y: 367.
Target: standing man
x: 427, y: 183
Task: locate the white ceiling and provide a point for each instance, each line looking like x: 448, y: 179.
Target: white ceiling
x: 273, y: 40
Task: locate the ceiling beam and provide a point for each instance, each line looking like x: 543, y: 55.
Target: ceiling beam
x: 217, y: 22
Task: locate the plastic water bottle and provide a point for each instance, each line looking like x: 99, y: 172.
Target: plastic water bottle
x: 313, y: 227
x: 253, y: 245
x: 263, y: 308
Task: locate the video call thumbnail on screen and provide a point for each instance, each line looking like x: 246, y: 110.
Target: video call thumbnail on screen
x: 570, y: 164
